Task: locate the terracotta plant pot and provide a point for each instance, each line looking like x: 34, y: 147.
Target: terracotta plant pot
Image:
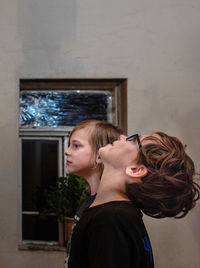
x: 68, y: 227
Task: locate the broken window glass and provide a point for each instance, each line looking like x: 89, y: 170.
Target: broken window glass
x: 63, y: 108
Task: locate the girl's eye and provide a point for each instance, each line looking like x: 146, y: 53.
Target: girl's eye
x: 75, y: 146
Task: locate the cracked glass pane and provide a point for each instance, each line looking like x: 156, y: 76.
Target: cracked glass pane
x: 63, y: 108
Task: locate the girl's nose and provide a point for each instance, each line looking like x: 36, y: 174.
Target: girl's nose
x: 66, y: 152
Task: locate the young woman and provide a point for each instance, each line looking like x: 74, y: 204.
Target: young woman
x: 82, y: 156
x: 150, y: 173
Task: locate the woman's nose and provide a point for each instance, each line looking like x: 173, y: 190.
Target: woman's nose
x: 122, y: 137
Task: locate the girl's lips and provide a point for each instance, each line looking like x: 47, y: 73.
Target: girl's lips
x: 68, y: 162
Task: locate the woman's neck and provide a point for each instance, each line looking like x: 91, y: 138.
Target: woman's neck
x: 111, y: 188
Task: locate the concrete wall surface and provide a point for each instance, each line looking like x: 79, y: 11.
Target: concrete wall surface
x: 154, y: 44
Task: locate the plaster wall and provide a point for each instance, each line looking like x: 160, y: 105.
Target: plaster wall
x: 154, y: 44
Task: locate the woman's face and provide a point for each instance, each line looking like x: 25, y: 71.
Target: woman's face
x: 120, y: 153
x: 80, y: 156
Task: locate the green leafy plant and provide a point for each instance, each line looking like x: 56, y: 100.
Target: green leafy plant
x: 63, y: 198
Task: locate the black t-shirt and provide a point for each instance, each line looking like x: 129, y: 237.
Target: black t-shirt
x: 84, y: 204
x: 111, y: 235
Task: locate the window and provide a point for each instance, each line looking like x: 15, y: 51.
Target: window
x: 49, y: 108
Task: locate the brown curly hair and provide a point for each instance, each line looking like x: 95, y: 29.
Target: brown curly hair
x: 168, y: 190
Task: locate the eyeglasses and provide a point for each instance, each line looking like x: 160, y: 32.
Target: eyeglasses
x: 135, y: 137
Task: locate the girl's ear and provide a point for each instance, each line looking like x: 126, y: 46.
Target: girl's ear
x: 136, y: 171
x: 98, y: 159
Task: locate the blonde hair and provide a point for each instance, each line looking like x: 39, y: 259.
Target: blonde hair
x: 100, y: 133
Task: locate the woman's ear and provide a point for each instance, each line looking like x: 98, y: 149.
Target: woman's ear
x: 138, y: 171
x: 98, y: 159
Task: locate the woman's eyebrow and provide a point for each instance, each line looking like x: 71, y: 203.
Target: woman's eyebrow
x: 142, y: 137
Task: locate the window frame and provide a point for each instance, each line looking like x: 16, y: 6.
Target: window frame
x: 119, y: 91
x: 62, y: 140
x: 118, y: 87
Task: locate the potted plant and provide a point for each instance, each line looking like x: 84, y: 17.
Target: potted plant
x: 62, y: 200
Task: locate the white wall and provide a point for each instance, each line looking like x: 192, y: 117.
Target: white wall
x: 155, y: 44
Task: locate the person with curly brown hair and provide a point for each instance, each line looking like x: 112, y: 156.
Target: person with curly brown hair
x: 150, y: 174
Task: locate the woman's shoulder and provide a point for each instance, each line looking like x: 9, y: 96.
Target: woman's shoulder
x: 115, y: 211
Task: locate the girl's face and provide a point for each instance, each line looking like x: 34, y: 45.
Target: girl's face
x: 80, y: 156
